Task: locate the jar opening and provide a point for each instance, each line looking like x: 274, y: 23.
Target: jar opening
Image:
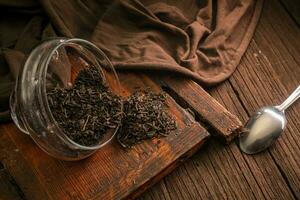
x: 73, y: 70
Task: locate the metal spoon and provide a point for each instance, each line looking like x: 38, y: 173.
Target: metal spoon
x: 265, y: 126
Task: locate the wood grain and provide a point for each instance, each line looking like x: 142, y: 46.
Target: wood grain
x: 269, y: 69
x: 265, y: 87
x: 277, y: 38
x: 292, y: 7
x: 272, y: 174
x: 8, y: 187
x: 272, y: 81
x: 209, y: 111
x: 223, y: 172
x: 16, y: 164
x: 112, y: 173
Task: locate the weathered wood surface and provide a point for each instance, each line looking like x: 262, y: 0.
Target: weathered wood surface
x: 103, y: 175
x: 208, y: 110
x: 268, y: 72
x: 112, y: 173
x: 292, y: 7
x: 9, y: 189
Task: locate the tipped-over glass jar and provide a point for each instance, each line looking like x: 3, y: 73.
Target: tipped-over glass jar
x: 56, y: 63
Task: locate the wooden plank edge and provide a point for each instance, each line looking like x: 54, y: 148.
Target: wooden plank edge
x: 212, y: 114
x: 160, y: 173
x: 170, y: 167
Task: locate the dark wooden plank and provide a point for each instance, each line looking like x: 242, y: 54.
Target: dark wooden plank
x: 258, y: 93
x: 8, y: 189
x: 272, y: 48
x: 225, y: 124
x: 292, y: 7
x: 269, y: 82
x: 278, y: 41
x: 260, y: 177
x: 16, y: 163
x: 267, y: 175
x: 102, y: 175
x: 157, y: 191
x: 223, y: 172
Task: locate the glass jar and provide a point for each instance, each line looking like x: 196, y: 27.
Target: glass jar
x: 56, y: 62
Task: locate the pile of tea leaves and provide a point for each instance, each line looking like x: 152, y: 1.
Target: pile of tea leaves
x: 145, y: 117
x: 86, y: 111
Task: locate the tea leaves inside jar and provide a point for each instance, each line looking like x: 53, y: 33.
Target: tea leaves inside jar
x: 86, y: 111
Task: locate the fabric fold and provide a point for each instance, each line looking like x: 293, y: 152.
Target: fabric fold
x: 202, y: 40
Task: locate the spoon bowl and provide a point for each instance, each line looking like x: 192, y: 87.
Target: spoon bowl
x: 262, y: 129
x: 265, y: 126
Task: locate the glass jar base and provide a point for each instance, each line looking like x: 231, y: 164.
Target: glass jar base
x: 13, y: 113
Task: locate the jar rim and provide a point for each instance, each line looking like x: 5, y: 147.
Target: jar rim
x: 44, y: 101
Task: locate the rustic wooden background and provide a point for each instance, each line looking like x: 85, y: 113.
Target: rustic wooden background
x: 269, y: 71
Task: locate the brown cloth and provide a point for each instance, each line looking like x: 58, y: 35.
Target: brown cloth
x: 201, y: 39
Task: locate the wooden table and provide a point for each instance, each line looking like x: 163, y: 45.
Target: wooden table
x: 269, y: 71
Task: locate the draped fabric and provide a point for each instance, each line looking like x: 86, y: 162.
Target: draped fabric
x: 200, y: 39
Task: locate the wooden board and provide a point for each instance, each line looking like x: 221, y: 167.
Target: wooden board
x: 208, y: 110
x: 9, y: 189
x: 223, y: 172
x: 112, y: 173
x: 293, y: 7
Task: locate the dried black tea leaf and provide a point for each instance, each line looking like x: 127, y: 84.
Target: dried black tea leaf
x: 145, y: 117
x: 86, y: 111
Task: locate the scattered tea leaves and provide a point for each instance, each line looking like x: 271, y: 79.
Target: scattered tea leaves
x: 145, y: 117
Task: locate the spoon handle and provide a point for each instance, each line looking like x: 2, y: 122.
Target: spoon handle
x: 290, y: 100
